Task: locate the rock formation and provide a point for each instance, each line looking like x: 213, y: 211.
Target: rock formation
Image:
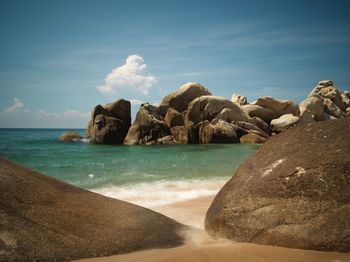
x: 148, y: 127
x: 263, y: 113
x: 180, y: 99
x: 326, y: 101
x: 43, y: 219
x: 293, y: 192
x: 184, y: 115
x: 283, y: 122
x: 109, y: 124
x: 238, y: 99
x: 70, y: 136
x: 279, y: 107
x: 218, y: 131
x: 209, y: 107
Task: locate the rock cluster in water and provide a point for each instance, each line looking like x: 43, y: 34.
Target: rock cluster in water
x: 109, y: 124
x: 193, y: 115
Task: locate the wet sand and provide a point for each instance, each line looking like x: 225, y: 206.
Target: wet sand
x: 202, y: 248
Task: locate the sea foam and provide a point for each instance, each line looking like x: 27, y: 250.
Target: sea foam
x: 163, y: 192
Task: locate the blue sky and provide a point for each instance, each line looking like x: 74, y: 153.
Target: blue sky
x: 56, y: 55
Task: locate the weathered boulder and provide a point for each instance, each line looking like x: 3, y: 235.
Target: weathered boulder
x: 230, y: 115
x: 166, y: 140
x: 261, y: 124
x: 334, y: 101
x: 43, y: 219
x: 209, y: 107
x: 185, y: 135
x: 321, y: 84
x: 251, y: 127
x: 252, y: 138
x: 70, y: 136
x: 345, y: 96
x: 293, y: 192
x: 332, y: 109
x: 280, y: 107
x: 257, y: 111
x: 238, y: 99
x: 109, y: 124
x: 306, y: 117
x: 180, y: 99
x: 314, y: 105
x: 173, y: 118
x: 148, y: 126
x: 218, y: 131
x: 283, y: 122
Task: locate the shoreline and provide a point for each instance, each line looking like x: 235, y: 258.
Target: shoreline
x: 200, y: 246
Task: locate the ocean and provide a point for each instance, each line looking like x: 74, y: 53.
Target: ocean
x: 145, y: 175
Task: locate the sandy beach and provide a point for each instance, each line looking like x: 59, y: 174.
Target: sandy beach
x: 201, y: 247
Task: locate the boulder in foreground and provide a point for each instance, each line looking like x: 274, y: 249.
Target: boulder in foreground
x: 293, y: 192
x: 43, y: 219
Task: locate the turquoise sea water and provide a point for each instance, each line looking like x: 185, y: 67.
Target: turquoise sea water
x: 129, y: 172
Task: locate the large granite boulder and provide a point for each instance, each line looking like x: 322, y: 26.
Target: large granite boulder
x: 293, y: 192
x: 283, y: 122
x: 252, y: 138
x: 43, y: 219
x: 332, y: 109
x: 335, y: 102
x: 184, y: 135
x: 173, y: 118
x: 239, y: 99
x: 218, y: 131
x: 109, y: 124
x: 345, y: 96
x: 280, y: 107
x: 210, y: 107
x: 258, y: 111
x: 180, y: 99
x: 148, y: 127
x: 314, y: 105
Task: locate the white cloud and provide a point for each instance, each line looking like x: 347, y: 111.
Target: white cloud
x: 131, y: 76
x: 18, y: 105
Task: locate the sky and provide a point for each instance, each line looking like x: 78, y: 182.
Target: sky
x: 59, y: 59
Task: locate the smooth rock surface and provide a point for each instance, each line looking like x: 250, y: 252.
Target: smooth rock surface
x: 43, y: 219
x: 283, y: 122
x: 209, y: 107
x: 314, y: 105
x: 280, y: 107
x: 180, y: 99
x: 238, y: 99
x: 293, y: 192
x: 257, y: 111
x: 252, y: 138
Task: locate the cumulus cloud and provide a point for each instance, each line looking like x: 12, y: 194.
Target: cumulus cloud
x: 131, y: 76
x: 18, y: 105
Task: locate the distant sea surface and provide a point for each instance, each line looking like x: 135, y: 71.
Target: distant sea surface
x: 145, y: 175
